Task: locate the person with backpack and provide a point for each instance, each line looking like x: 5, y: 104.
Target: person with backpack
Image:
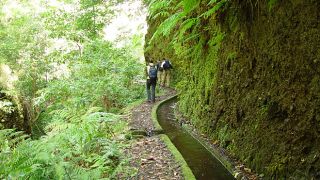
x: 160, y: 70
x: 166, y: 66
x: 151, y: 71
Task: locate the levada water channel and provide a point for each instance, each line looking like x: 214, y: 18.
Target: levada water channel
x: 202, y: 163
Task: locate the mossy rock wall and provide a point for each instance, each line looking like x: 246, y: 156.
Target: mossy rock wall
x: 258, y: 90
x: 268, y: 92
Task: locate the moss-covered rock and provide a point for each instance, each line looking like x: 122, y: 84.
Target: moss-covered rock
x: 251, y: 80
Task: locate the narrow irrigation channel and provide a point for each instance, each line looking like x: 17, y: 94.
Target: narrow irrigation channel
x: 202, y: 163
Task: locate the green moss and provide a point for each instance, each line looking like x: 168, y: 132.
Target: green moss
x: 271, y: 4
x: 154, y: 117
x: 232, y: 55
x: 186, y: 171
x: 243, y: 78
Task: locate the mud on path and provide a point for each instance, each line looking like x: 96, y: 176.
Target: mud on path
x: 150, y: 155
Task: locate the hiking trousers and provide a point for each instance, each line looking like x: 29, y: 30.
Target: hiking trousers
x: 166, y: 78
x: 151, y: 83
x: 159, y: 76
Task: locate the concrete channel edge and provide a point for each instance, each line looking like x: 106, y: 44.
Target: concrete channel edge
x: 186, y: 171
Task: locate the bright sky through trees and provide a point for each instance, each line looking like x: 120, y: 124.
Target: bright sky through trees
x: 130, y: 20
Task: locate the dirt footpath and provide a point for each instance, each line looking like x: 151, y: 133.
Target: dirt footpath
x: 150, y: 154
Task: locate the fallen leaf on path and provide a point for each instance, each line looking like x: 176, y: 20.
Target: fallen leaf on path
x: 151, y: 158
x: 215, y: 142
x: 143, y: 162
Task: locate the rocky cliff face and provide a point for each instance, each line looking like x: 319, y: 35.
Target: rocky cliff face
x: 268, y: 93
x: 255, y: 85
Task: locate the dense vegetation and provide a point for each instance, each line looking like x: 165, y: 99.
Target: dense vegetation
x: 62, y: 89
x: 247, y: 73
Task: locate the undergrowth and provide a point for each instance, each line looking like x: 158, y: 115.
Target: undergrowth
x: 70, y: 86
x: 78, y: 134
x: 82, y: 150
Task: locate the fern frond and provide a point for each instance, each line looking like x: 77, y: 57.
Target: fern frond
x: 5, y: 133
x: 102, y: 116
x: 56, y: 127
x: 187, y: 24
x: 189, y: 5
x: 178, y: 7
x: 213, y: 1
x: 158, y: 5
x: 215, y: 8
x: 166, y: 26
x: 161, y: 14
x: 191, y: 37
x: 18, y: 139
x: 59, y: 170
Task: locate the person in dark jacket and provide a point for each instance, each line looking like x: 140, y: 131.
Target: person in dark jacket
x: 165, y: 77
x: 151, y: 72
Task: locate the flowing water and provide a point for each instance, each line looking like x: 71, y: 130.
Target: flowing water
x: 202, y: 163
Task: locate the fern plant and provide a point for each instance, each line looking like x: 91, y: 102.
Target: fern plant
x: 189, y: 36
x: 189, y: 5
x: 217, y: 5
x: 77, y: 150
x: 180, y: 19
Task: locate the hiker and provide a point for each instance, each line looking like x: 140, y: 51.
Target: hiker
x: 151, y: 72
x: 166, y: 66
x: 160, y: 70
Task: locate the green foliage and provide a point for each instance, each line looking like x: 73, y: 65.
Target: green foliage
x: 161, y: 9
x: 217, y: 6
x: 191, y: 42
x: 78, y: 143
x: 69, y: 150
x: 92, y: 19
x: 185, y: 26
x: 103, y: 76
x: 86, y: 21
x: 156, y: 7
x: 70, y: 84
x: 234, y: 106
x: 223, y: 136
x: 167, y: 26
x: 271, y: 3
x: 189, y: 5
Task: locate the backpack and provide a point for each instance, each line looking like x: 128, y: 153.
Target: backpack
x: 159, y: 67
x: 166, y: 65
x: 152, y: 72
